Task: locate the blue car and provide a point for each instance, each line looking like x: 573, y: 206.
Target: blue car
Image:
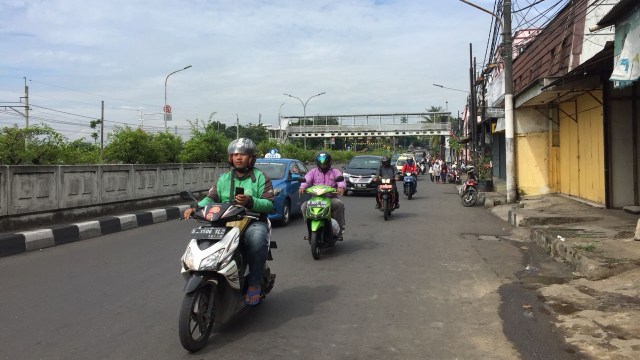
x: 283, y: 174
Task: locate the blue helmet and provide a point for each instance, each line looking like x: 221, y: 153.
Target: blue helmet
x: 410, y: 161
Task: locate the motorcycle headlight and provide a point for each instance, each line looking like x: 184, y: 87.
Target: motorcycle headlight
x: 212, y: 261
x: 187, y: 259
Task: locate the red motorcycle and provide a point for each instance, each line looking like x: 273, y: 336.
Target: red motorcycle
x: 469, y: 190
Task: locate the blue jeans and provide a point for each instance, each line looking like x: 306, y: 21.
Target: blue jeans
x: 256, y: 250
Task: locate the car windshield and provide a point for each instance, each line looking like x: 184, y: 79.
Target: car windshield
x: 364, y: 163
x: 401, y: 162
x: 273, y: 170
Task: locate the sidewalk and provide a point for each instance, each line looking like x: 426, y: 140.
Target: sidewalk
x: 598, y: 311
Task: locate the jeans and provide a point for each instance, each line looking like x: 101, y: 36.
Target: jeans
x: 337, y: 211
x: 256, y: 250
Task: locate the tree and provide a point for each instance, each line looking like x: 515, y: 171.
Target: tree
x: 36, y: 145
x: 205, y: 146
x: 129, y: 146
x: 93, y: 124
x: 80, y: 152
x: 167, y: 147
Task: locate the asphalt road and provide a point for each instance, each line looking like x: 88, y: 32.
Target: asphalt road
x: 434, y: 282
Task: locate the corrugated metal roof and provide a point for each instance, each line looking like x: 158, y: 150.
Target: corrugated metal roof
x: 619, y: 12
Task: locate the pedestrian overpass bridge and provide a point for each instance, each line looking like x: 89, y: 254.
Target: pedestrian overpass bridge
x: 369, y: 125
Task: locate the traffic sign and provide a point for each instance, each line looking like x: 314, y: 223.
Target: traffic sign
x: 167, y: 109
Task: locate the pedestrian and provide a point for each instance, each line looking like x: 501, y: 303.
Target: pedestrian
x: 443, y: 171
x: 431, y: 170
x: 436, y: 170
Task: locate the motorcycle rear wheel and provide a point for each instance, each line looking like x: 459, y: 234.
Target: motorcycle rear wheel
x: 196, y: 318
x: 470, y: 197
x: 314, y: 242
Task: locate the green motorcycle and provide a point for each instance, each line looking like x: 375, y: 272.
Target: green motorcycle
x: 322, y: 229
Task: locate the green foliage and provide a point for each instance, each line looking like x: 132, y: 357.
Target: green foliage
x: 37, y: 145
x: 207, y: 146
x: 167, y: 147
x: 129, y: 146
x: 80, y: 152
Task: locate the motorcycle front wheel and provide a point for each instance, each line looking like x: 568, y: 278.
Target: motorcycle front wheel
x: 196, y: 318
x: 314, y: 242
x: 469, y: 197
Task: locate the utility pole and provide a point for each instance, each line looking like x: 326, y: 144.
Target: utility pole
x: 101, y: 131
x: 237, y: 127
x: 507, y: 57
x: 26, y: 101
x: 508, y: 104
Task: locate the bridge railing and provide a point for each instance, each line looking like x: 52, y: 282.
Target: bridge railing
x: 368, y: 128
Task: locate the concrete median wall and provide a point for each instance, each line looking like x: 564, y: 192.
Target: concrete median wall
x: 43, y: 194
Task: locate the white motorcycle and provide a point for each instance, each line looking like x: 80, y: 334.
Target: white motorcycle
x: 213, y: 266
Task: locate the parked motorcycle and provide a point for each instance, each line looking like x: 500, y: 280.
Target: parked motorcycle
x: 469, y: 190
x: 409, y: 184
x: 214, y: 267
x: 322, y: 229
x: 386, y: 197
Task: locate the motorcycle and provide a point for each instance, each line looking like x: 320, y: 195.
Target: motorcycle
x: 322, y: 229
x: 469, y: 190
x: 423, y: 168
x: 409, y: 184
x: 454, y: 176
x: 386, y: 197
x: 213, y: 266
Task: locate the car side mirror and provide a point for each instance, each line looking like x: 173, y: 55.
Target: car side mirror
x: 296, y: 177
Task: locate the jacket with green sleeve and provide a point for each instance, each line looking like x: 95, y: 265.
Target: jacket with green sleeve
x: 256, y: 184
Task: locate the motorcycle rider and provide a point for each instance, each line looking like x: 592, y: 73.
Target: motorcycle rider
x: 386, y: 171
x: 324, y: 174
x: 257, y: 197
x: 410, y: 167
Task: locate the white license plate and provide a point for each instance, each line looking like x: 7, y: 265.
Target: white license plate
x: 208, y: 233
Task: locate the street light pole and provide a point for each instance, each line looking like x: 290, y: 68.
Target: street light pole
x: 444, y: 87
x: 304, y: 111
x: 507, y: 57
x: 280, y: 123
x: 165, y: 95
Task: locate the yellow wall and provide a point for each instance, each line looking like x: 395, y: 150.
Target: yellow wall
x: 582, y: 148
x: 533, y: 163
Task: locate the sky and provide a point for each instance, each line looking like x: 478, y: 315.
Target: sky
x: 367, y: 56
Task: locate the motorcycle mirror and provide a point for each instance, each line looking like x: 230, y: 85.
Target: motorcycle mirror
x: 187, y: 195
x: 339, y: 178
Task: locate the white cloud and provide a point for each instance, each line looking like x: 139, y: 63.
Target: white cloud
x: 368, y: 56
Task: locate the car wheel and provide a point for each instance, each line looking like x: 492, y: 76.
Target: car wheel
x: 286, y: 213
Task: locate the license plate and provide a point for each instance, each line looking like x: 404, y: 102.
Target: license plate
x: 208, y: 233
x: 385, y: 186
x: 408, y: 178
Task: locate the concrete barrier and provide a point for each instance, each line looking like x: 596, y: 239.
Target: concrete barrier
x: 31, y: 196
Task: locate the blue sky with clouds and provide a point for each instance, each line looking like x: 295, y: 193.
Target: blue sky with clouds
x: 369, y: 56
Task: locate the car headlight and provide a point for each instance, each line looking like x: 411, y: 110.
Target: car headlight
x: 277, y: 191
x: 346, y: 175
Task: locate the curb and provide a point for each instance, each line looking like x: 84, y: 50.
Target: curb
x: 16, y: 243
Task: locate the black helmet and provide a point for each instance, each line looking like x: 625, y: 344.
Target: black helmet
x: 242, y: 146
x: 385, y: 161
x: 323, y: 161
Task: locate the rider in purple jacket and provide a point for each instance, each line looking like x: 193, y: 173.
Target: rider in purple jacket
x: 324, y: 174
